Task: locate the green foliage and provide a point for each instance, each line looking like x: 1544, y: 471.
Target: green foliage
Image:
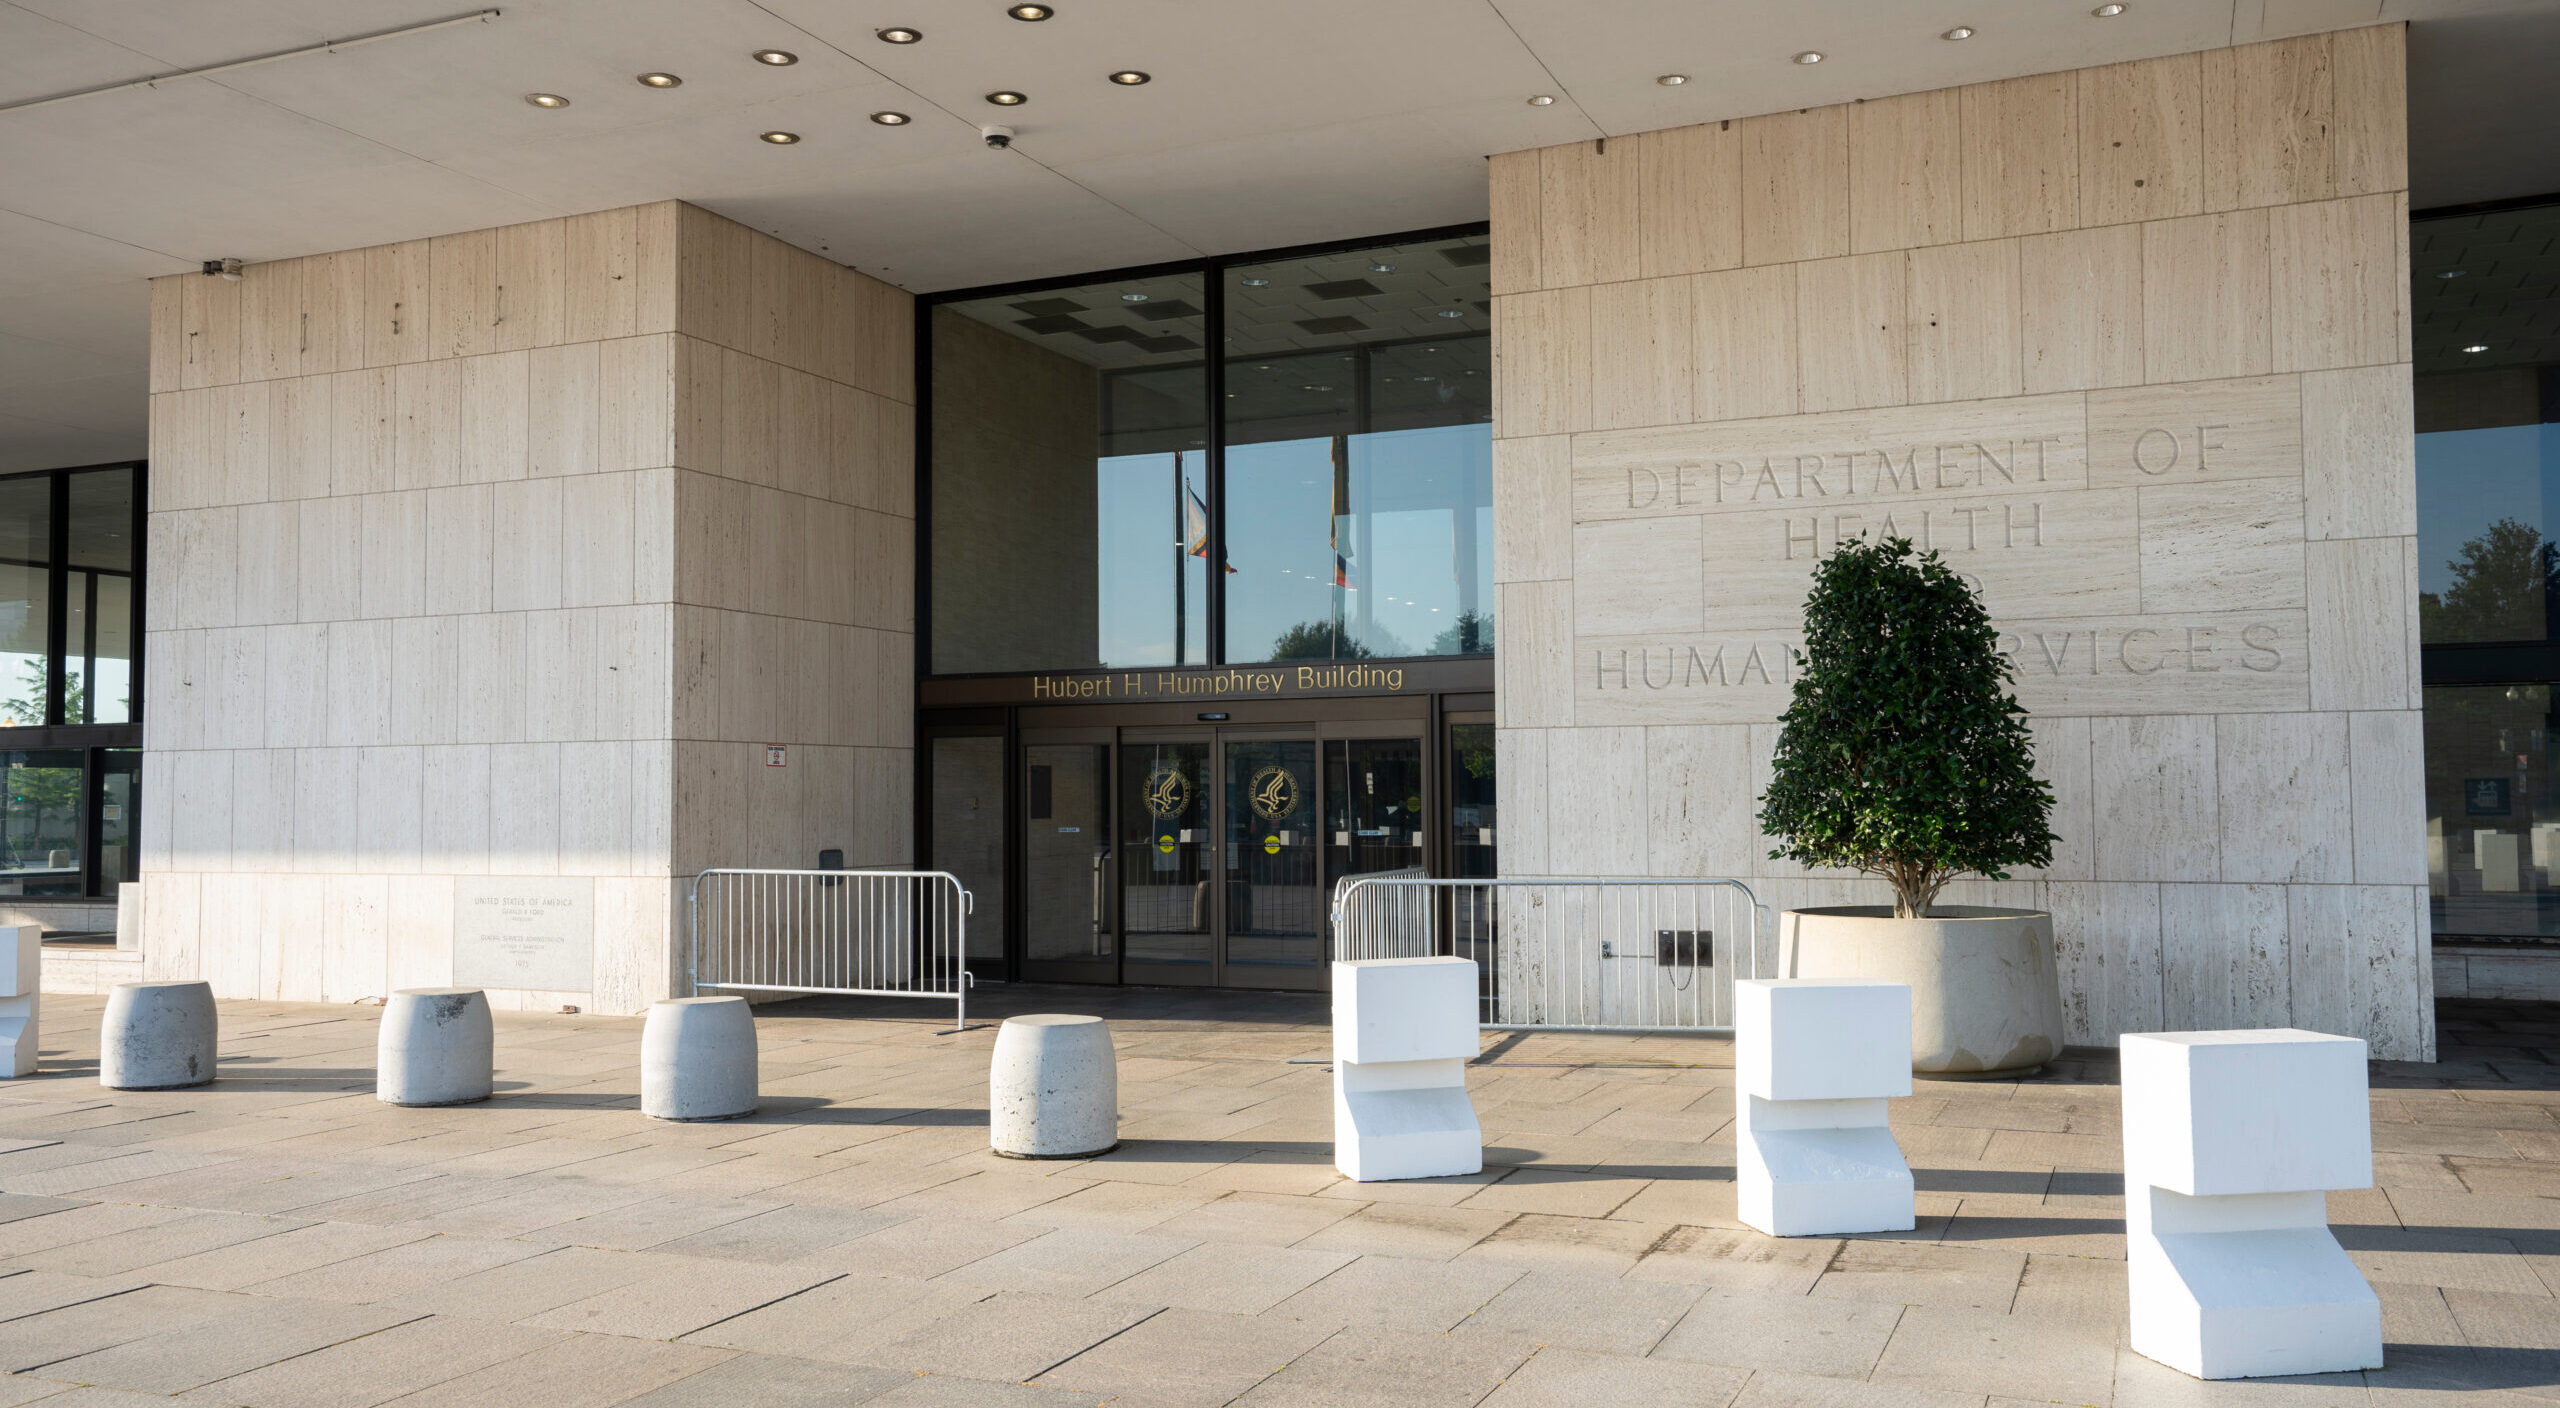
x: 1470, y: 634
x: 1317, y: 640
x: 1904, y: 753
x: 2502, y: 587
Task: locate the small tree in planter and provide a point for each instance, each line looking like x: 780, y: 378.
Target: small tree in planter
x: 1904, y: 753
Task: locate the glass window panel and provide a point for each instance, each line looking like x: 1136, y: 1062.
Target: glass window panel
x: 968, y: 830
x: 1070, y: 470
x: 26, y: 536
x: 1359, y: 456
x: 98, y: 587
x: 1275, y: 902
x: 2488, y: 412
x: 40, y: 823
x: 1473, y: 814
x: 2493, y: 821
x: 119, y: 820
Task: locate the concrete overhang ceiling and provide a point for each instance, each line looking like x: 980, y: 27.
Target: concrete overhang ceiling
x: 1265, y: 124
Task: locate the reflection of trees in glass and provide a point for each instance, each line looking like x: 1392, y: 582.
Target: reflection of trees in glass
x: 2505, y: 586
x: 27, y: 710
x: 1322, y: 640
x: 1470, y: 634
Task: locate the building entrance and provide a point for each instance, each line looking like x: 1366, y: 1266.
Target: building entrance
x: 1204, y: 856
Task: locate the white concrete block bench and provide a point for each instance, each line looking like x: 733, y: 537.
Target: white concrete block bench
x: 21, y: 997
x: 436, y: 1048
x: 1053, y: 1088
x: 1403, y: 1032
x: 698, y: 1059
x: 1814, y: 1061
x: 2231, y: 1143
x: 158, y: 1036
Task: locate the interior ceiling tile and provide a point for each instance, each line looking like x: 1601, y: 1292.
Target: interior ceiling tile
x: 113, y: 319
x: 1739, y: 58
x: 27, y: 362
x: 1219, y: 71
x: 718, y: 153
x: 39, y: 444
x: 938, y: 225
x: 95, y: 402
x: 40, y: 254
x: 198, y: 33
x: 452, y: 93
x: 40, y: 57
x: 1218, y: 195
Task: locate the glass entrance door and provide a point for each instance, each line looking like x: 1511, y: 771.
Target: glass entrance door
x: 1069, y: 929
x: 1275, y: 899
x: 1168, y: 905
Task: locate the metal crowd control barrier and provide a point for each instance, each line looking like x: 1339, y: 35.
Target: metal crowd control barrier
x: 1572, y: 954
x: 851, y: 933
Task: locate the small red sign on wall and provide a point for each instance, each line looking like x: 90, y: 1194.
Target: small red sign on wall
x: 776, y: 756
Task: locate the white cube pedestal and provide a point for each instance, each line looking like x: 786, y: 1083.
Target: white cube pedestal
x: 1814, y: 1062
x: 1403, y: 1032
x: 21, y: 995
x: 2231, y: 1140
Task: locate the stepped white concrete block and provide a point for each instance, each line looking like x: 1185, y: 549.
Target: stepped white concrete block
x: 158, y: 1036
x: 1403, y: 1032
x: 21, y: 996
x: 1814, y: 1061
x: 2232, y: 1140
x: 1053, y: 1088
x: 436, y: 1048
x: 698, y: 1059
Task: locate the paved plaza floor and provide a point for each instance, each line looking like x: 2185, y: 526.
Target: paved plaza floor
x: 282, y: 1239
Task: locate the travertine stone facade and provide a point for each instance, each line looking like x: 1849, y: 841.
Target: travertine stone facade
x: 505, y: 554
x: 2130, y: 346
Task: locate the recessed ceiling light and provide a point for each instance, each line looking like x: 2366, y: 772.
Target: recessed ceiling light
x: 2477, y: 347
x: 780, y: 139
x: 1962, y: 31
x: 2108, y: 12
x: 1264, y: 367
x: 1542, y: 101
x: 1672, y: 80
x: 1133, y: 298
x: 1315, y: 388
x: 1007, y: 99
x: 546, y: 100
x: 1382, y: 268
x: 1031, y: 12
x: 1130, y: 78
x: 779, y: 58
x: 899, y: 34
x: 1255, y: 283
x: 1453, y: 312
x: 891, y: 119
x: 1809, y: 56
x: 661, y: 80
x: 2453, y: 273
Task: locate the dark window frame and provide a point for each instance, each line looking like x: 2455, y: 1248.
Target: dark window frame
x: 1214, y: 307
x: 94, y: 742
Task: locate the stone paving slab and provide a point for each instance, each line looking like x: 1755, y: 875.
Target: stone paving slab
x: 283, y: 1240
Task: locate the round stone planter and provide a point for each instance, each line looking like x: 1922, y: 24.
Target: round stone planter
x: 436, y: 1047
x: 157, y: 1036
x: 1053, y: 1088
x: 1986, y: 993
x: 698, y: 1059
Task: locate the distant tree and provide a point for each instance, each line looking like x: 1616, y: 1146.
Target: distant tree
x: 1470, y: 634
x: 1317, y: 640
x: 2505, y: 586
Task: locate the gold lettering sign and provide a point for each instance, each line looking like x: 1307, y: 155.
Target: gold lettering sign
x: 1266, y: 681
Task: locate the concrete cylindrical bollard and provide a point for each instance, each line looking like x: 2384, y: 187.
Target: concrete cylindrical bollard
x: 436, y: 1048
x: 1053, y: 1089
x: 157, y: 1036
x: 698, y: 1059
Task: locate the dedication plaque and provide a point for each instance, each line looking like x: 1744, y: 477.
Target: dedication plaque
x: 524, y: 931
